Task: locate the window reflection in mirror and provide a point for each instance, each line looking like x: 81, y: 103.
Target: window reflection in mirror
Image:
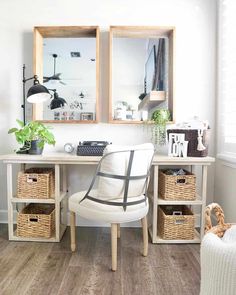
x: 141, y: 73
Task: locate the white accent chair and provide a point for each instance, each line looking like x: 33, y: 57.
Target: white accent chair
x: 117, y: 193
x: 218, y: 264
x: 218, y: 255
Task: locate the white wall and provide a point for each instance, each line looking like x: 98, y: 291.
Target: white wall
x: 225, y: 188
x: 195, y: 22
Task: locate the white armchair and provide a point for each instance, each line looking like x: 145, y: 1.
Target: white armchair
x: 117, y: 193
x: 218, y: 255
x: 218, y: 264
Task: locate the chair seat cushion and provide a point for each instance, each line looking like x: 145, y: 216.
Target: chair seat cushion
x: 112, y: 214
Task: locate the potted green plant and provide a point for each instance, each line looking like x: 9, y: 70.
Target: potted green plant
x: 159, y: 118
x: 32, y: 137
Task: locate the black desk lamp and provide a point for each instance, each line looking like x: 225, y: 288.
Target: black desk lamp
x: 36, y: 94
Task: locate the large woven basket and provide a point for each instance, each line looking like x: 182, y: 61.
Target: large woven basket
x: 221, y: 226
x: 175, y: 227
x: 177, y: 187
x: 36, y: 183
x: 36, y: 220
x: 191, y: 136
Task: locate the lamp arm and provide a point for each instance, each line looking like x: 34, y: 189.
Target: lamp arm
x: 35, y: 77
x: 24, y: 80
x: 23, y: 105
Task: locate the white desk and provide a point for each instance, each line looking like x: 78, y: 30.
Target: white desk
x: 61, y: 160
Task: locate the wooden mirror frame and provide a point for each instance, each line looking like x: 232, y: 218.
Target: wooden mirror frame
x: 145, y: 32
x: 62, y: 32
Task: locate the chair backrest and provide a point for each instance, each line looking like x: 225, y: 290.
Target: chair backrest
x: 122, y: 174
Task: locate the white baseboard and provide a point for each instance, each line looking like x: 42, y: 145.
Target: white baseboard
x: 3, y: 216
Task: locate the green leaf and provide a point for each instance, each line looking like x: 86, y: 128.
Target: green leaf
x: 12, y: 130
x: 21, y: 123
x: 161, y: 116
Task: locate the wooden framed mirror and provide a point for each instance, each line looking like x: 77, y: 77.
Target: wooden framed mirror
x: 66, y: 60
x: 141, y: 77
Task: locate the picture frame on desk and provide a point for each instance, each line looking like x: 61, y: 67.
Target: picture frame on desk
x: 86, y: 116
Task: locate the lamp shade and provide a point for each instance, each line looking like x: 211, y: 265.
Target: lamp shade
x: 38, y: 93
x: 57, y: 102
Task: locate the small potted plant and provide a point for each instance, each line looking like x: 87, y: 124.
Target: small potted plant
x: 32, y: 137
x: 160, y: 117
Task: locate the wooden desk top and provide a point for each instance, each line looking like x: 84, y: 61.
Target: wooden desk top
x: 64, y: 158
x: 49, y: 158
x: 165, y: 160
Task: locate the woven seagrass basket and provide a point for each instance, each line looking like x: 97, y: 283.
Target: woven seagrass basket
x: 36, y: 220
x: 221, y: 226
x: 36, y: 183
x: 177, y: 187
x: 175, y: 227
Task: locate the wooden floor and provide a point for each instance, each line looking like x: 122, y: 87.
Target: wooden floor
x: 51, y: 268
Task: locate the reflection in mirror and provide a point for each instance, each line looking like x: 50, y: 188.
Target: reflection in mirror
x: 69, y: 71
x: 141, y: 73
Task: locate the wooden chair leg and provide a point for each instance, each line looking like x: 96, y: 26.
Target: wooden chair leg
x: 72, y: 231
x: 145, y: 236
x: 113, y: 246
x: 118, y: 230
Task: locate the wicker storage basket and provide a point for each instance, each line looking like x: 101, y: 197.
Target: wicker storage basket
x: 221, y: 226
x: 36, y: 220
x: 191, y: 136
x: 177, y: 187
x: 175, y: 227
x: 36, y: 183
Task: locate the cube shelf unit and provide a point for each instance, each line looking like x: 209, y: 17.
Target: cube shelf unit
x: 60, y: 202
x: 57, y: 160
x: 155, y: 200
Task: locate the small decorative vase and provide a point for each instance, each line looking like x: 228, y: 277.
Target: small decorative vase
x: 35, y: 149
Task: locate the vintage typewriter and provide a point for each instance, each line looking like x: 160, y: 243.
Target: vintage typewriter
x: 91, y: 148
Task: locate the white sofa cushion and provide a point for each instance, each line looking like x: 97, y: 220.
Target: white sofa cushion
x: 117, y: 164
x: 107, y: 213
x: 218, y: 266
x: 230, y: 235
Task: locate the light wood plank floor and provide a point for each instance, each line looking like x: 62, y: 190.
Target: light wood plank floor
x: 51, y: 268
